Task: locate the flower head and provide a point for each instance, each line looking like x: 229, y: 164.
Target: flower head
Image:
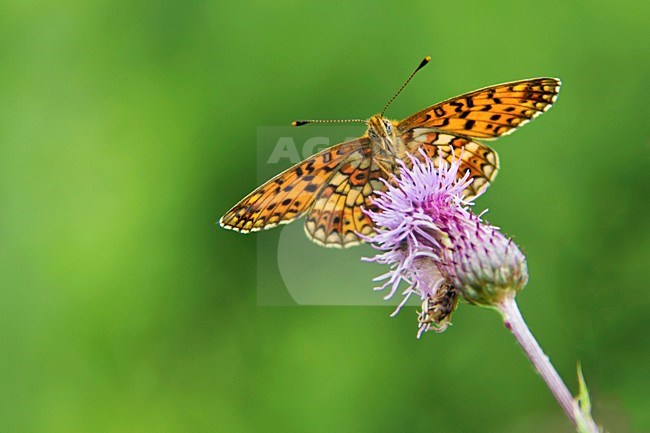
x: 432, y: 242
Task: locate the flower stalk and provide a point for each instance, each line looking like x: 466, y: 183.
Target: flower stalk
x: 514, y: 321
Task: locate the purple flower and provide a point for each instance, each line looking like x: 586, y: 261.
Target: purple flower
x: 432, y: 242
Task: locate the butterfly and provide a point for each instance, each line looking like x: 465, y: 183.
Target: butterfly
x: 333, y: 187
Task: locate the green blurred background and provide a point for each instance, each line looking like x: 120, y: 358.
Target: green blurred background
x: 128, y: 127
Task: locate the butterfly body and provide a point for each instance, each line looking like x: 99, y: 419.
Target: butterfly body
x: 387, y: 145
x: 333, y: 187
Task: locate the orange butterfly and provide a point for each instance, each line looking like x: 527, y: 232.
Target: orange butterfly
x: 334, y: 186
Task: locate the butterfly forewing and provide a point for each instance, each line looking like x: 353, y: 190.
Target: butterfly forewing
x: 490, y: 112
x: 290, y: 194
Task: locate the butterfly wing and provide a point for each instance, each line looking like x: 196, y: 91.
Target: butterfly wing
x: 291, y: 193
x: 337, y: 217
x: 490, y: 112
x: 477, y: 158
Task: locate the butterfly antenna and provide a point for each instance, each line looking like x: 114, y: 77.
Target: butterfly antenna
x: 422, y: 64
x: 305, y: 122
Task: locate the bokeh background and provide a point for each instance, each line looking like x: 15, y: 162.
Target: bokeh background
x: 128, y: 127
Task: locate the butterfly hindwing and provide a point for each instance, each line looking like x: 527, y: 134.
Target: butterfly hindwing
x: 290, y: 194
x: 480, y: 160
x: 336, y: 217
x: 490, y: 112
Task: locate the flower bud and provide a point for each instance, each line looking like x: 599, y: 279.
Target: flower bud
x: 482, y: 264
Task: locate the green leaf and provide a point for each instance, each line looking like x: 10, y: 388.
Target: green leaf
x: 583, y: 417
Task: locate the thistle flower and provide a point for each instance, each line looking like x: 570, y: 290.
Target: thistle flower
x: 432, y: 242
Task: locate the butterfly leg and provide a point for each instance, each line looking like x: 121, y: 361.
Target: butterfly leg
x: 388, y: 169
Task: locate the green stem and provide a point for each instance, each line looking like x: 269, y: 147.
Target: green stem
x: 515, y: 323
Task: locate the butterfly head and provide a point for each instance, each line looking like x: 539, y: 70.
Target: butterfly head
x: 382, y: 133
